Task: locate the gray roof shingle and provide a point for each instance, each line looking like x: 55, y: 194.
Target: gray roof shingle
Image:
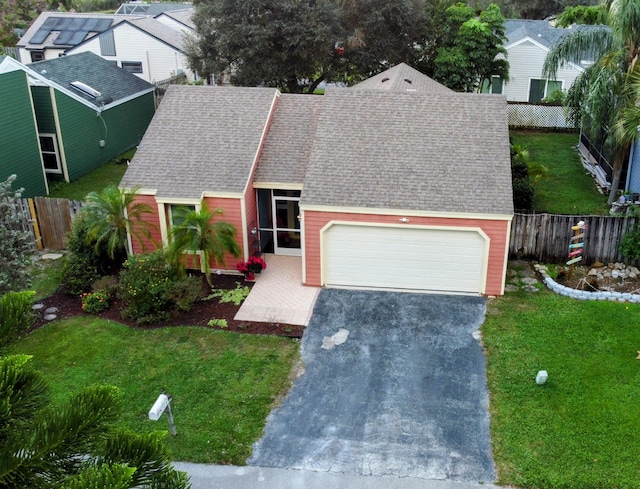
x: 94, y: 71
x: 287, y: 147
x: 442, y: 152
x: 402, y: 78
x: 201, y: 139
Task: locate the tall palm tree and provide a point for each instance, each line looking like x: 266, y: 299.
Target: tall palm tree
x: 75, y: 444
x: 111, y: 214
x: 601, y: 96
x: 196, y: 231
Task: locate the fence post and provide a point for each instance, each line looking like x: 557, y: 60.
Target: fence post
x: 36, y: 227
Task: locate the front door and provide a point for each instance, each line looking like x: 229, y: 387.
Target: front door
x: 279, y: 212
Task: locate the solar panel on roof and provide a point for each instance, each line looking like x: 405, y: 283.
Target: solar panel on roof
x: 90, y: 24
x: 63, y: 37
x: 78, y: 37
x: 40, y: 36
x: 50, y: 22
x: 103, y: 25
x: 61, y: 23
x: 75, y: 24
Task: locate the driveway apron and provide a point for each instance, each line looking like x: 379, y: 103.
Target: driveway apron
x: 405, y: 394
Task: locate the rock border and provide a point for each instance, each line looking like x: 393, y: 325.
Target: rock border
x: 584, y: 295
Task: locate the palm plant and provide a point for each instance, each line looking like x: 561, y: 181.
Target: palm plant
x: 196, y: 232
x: 602, y: 97
x: 112, y: 214
x: 73, y: 444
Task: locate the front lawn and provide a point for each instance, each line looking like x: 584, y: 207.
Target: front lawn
x: 581, y: 429
x: 223, y: 384
x: 569, y: 188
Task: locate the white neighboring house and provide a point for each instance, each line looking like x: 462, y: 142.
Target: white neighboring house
x: 528, y: 42
x: 151, y: 49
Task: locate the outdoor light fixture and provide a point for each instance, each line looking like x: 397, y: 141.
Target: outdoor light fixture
x: 254, y: 231
x: 161, y: 406
x: 542, y: 377
x: 404, y: 219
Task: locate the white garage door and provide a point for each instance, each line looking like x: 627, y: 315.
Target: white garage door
x: 428, y: 259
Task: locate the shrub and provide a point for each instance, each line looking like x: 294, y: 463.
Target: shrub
x: 218, y: 323
x: 107, y: 284
x: 523, y: 193
x: 629, y: 246
x: 95, y: 302
x: 151, y: 288
x: 16, y: 315
x: 79, y: 273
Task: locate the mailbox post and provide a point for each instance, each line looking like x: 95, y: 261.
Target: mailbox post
x: 161, y: 406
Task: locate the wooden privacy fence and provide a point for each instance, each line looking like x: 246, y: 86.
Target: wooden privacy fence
x: 49, y: 220
x: 546, y: 237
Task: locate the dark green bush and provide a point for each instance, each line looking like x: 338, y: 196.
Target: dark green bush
x: 151, y: 289
x: 95, y: 302
x: 16, y: 316
x: 629, y: 246
x: 523, y: 194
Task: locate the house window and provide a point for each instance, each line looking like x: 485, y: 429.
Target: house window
x: 495, y: 86
x: 177, y: 213
x: 50, y: 156
x: 37, y: 56
x: 107, y: 44
x: 132, y: 66
x: 539, y: 89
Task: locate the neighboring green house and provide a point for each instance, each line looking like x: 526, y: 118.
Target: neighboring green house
x: 64, y: 117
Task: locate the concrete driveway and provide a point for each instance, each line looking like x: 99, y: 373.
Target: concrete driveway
x: 404, y: 394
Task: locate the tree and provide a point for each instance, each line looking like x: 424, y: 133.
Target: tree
x: 581, y: 14
x: 286, y: 44
x: 195, y: 231
x: 380, y: 34
x: 16, y: 243
x: 17, y: 14
x: 112, y: 214
x: 468, y: 54
x: 75, y: 444
x: 603, y: 97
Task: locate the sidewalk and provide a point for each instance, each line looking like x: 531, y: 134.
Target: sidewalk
x: 231, y: 477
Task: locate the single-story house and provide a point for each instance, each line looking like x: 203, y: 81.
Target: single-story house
x: 528, y: 42
x: 68, y: 116
x: 396, y: 183
x: 149, y: 47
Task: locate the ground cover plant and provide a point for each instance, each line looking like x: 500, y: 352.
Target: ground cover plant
x: 579, y: 430
x: 569, y: 189
x: 223, y: 384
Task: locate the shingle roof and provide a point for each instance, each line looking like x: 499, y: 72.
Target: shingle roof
x: 287, y: 147
x: 94, y: 71
x: 401, y: 78
x: 160, y: 31
x: 201, y: 139
x: 442, y: 152
x: 184, y: 16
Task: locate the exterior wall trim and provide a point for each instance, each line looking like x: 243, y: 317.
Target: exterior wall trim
x: 279, y: 186
x: 61, y: 148
x: 407, y: 213
x: 35, y: 125
x: 330, y: 224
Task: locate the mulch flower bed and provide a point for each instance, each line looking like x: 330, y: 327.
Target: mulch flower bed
x: 200, y: 315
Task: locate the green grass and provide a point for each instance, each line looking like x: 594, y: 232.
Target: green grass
x: 46, y: 276
x: 569, y: 188
x: 108, y: 174
x: 580, y: 429
x: 223, y: 384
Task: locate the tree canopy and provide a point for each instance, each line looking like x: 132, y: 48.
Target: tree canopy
x: 17, y: 14
x: 606, y: 95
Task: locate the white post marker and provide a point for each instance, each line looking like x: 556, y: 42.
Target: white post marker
x: 161, y: 406
x: 542, y: 377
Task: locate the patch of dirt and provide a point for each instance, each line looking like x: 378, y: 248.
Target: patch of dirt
x: 582, y: 281
x: 200, y: 315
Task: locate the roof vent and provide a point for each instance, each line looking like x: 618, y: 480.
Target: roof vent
x: 385, y: 80
x: 408, y: 81
x: 86, y: 89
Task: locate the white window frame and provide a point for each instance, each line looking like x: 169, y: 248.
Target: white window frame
x: 131, y: 65
x: 55, y: 152
x: 546, y: 86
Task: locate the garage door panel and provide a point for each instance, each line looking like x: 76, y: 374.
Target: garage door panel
x: 404, y: 258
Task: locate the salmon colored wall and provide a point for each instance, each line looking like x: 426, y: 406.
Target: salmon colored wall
x: 497, y: 231
x: 232, y: 213
x: 156, y: 238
